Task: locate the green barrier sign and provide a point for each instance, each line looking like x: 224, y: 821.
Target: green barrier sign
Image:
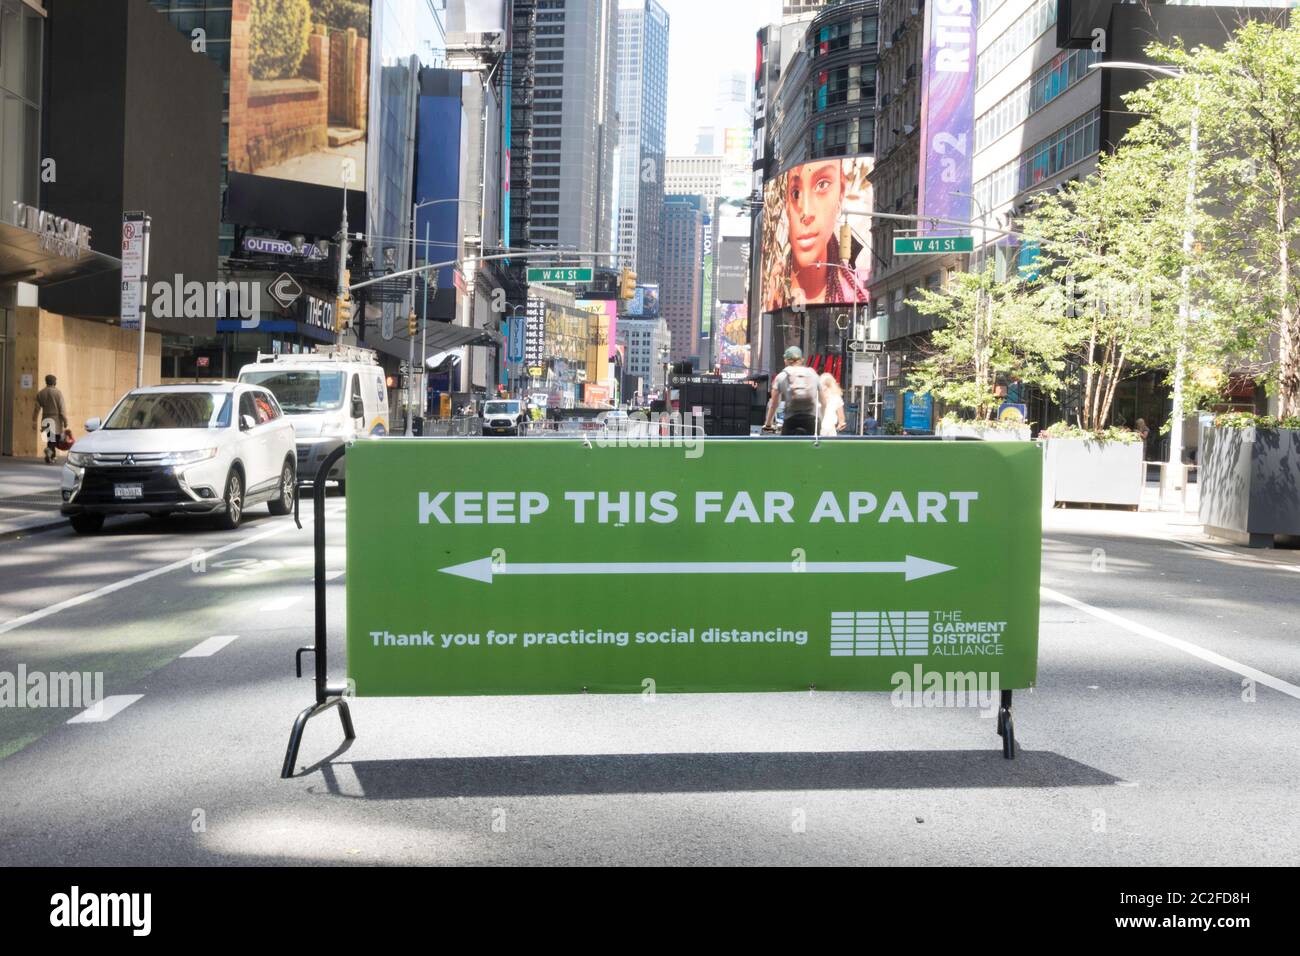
x: 680, y: 564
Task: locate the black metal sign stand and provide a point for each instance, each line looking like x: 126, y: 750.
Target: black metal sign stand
x: 332, y: 695
x: 327, y: 695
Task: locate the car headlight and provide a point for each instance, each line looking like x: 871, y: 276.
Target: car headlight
x: 189, y: 457
x: 80, y: 458
x: 331, y: 428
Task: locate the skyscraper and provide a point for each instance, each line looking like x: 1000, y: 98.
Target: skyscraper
x: 564, y: 164
x: 643, y: 114
x: 681, y: 256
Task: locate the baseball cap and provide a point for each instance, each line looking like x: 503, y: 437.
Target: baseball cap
x: 793, y: 353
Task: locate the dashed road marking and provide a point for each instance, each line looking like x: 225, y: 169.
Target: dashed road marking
x: 281, y: 603
x: 107, y: 589
x: 1210, y: 657
x: 210, y: 646
x: 106, y: 709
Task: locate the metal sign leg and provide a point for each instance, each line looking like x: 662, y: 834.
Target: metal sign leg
x: 1007, y: 727
x: 327, y: 695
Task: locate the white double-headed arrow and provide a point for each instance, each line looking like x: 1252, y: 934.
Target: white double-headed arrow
x: 910, y: 567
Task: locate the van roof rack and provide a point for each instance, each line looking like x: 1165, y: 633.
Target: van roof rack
x: 326, y: 353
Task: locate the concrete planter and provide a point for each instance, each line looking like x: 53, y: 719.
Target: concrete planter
x: 1080, y: 471
x: 1250, y: 484
x: 971, y: 430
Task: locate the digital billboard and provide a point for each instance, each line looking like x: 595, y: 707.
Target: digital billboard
x: 734, y: 338
x: 733, y: 269
x: 947, y: 110
x: 644, y: 302
x: 804, y: 210
x: 300, y: 89
x: 609, y: 309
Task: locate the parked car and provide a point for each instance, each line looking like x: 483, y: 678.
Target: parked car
x: 208, y: 449
x: 503, y: 416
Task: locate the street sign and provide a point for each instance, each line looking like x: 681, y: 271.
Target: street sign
x: 928, y: 245
x: 864, y: 370
x: 559, y: 275
x: 861, y: 346
x: 625, y: 563
x: 134, y: 268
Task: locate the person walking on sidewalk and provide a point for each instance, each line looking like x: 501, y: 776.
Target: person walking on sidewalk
x: 798, y: 387
x: 52, y: 414
x: 832, y: 420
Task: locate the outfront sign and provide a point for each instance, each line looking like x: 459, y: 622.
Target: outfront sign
x: 635, y: 565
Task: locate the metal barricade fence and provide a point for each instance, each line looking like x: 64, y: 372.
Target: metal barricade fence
x: 463, y: 427
x: 640, y: 428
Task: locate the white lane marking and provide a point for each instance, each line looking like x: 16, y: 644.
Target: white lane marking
x: 80, y: 599
x: 1194, y: 546
x: 105, y: 709
x: 210, y: 646
x: 331, y: 575
x: 1218, y: 660
x: 281, y: 603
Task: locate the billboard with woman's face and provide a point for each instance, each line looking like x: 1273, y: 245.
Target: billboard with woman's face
x: 805, y: 210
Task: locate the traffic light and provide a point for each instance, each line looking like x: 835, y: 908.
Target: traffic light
x: 342, y: 313
x: 626, y: 284
x: 412, y: 324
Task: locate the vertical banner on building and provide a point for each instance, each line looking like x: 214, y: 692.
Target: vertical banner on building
x: 706, y: 307
x: 535, y: 334
x: 947, y: 110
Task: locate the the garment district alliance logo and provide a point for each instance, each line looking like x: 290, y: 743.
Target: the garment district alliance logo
x: 914, y: 634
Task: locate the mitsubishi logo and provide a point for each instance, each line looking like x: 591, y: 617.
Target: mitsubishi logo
x: 128, y: 460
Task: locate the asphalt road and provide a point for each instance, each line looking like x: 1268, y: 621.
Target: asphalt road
x: 1139, y: 746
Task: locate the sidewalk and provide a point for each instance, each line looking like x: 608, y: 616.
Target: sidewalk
x: 29, y: 494
x: 1169, y: 524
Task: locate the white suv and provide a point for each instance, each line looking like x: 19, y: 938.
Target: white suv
x: 211, y: 449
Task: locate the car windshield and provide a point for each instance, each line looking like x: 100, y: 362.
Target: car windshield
x: 501, y: 408
x: 300, y: 391
x: 171, y: 410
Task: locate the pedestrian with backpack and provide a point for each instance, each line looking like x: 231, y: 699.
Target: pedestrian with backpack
x: 798, y: 386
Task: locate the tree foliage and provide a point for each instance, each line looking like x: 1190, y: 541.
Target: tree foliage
x: 1245, y: 101
x: 990, y: 330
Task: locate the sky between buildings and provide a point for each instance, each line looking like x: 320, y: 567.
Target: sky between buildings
x: 707, y: 39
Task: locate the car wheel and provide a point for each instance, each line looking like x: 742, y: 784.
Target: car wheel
x: 86, y: 524
x: 288, y: 488
x: 233, y: 511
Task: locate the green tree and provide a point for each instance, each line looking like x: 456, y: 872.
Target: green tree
x: 1109, y: 251
x: 278, y: 31
x: 990, y: 329
x: 1245, y: 99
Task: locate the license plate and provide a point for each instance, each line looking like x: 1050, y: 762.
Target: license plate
x: 128, y: 491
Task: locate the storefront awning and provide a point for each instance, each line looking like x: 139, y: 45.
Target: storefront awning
x: 22, y: 259
x: 442, y: 337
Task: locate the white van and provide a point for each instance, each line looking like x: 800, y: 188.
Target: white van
x: 332, y: 395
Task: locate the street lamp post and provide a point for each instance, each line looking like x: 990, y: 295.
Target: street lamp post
x: 1174, y: 465
x: 424, y: 324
